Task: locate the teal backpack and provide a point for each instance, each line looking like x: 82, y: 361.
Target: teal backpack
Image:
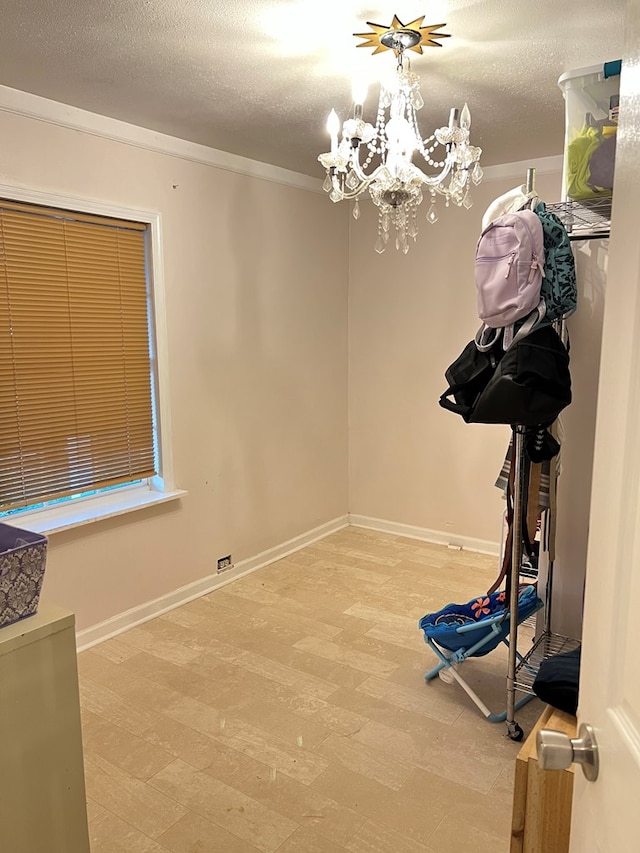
x: 559, y: 289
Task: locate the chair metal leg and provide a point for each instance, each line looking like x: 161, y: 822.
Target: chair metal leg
x: 447, y: 662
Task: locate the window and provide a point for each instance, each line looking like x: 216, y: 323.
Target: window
x: 77, y: 390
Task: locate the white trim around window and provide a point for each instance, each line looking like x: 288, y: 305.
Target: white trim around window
x: 160, y: 488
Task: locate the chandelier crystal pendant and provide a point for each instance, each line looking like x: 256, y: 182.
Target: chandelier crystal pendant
x: 378, y: 158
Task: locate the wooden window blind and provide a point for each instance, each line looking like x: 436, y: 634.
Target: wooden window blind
x: 76, y: 408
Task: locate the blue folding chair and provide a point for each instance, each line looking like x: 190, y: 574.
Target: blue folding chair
x: 472, y: 630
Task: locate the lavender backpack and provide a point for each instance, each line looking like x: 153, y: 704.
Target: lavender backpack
x: 509, y: 269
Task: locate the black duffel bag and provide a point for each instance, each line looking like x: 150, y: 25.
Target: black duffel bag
x: 528, y: 384
x: 558, y: 681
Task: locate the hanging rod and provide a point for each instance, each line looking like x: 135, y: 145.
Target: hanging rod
x: 531, y: 180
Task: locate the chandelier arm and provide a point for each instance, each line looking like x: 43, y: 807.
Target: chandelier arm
x: 357, y: 192
x: 354, y: 194
x: 437, y: 180
x: 434, y: 182
x: 358, y: 169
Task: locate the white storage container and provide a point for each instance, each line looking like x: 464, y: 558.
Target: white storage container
x: 591, y: 111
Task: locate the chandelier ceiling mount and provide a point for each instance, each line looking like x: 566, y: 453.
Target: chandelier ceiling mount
x: 399, y: 37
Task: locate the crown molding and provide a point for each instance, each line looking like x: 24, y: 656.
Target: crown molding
x: 63, y: 115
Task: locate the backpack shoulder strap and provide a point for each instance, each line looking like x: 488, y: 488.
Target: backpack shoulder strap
x: 533, y: 321
x: 487, y: 337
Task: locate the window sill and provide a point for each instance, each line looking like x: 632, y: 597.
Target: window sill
x: 68, y: 517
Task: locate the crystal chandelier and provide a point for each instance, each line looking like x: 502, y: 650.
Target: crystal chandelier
x: 386, y: 170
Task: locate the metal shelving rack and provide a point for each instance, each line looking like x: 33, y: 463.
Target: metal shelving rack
x: 589, y: 219
x: 518, y: 461
x: 545, y: 646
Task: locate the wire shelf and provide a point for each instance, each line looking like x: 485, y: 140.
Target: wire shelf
x: 584, y: 220
x: 545, y: 647
x: 530, y: 622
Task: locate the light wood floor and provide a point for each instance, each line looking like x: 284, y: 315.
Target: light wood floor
x: 287, y: 712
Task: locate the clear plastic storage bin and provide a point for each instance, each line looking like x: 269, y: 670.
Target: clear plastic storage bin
x: 591, y: 108
x: 23, y: 556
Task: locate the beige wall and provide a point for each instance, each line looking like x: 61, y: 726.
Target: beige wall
x: 256, y: 281
x: 574, y: 486
x: 261, y: 282
x: 410, y: 316
x: 412, y: 462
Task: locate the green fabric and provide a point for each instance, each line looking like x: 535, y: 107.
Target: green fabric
x: 578, y: 160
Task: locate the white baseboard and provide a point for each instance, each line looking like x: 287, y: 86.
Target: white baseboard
x: 150, y: 609
x: 437, y: 537
x: 144, y: 612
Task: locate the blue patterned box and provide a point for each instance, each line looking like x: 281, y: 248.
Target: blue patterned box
x: 23, y: 556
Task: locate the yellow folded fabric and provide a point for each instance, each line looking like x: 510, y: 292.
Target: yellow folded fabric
x: 579, y: 153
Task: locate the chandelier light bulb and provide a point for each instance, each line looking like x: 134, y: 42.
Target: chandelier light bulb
x: 359, y: 90
x: 333, y: 126
x: 376, y: 159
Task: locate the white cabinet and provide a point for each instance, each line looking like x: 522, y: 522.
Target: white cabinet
x: 42, y: 794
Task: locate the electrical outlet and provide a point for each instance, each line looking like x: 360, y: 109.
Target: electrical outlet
x: 224, y: 563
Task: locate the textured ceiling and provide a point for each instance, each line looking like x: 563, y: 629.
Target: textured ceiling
x: 259, y: 78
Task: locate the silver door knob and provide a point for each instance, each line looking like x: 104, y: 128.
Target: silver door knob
x: 557, y: 751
